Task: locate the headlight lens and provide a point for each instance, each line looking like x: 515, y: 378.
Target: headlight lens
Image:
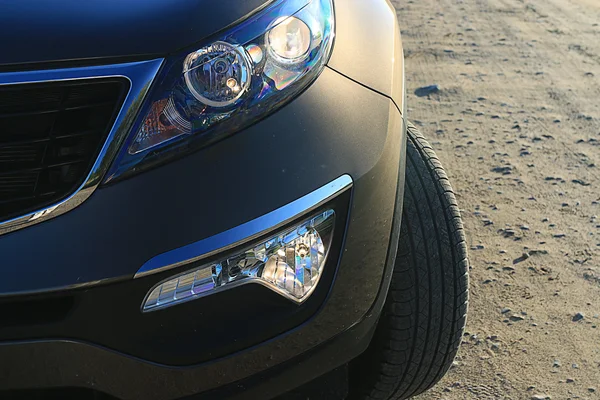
x: 250, y: 71
x: 218, y: 75
x: 289, y: 41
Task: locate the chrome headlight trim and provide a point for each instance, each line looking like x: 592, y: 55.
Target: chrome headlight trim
x: 140, y: 76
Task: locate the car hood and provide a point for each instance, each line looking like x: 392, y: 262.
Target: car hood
x: 38, y: 31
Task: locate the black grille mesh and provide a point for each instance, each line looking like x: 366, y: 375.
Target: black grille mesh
x: 50, y: 136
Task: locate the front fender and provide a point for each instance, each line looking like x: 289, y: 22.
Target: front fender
x: 368, y: 47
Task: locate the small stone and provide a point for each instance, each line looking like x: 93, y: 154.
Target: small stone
x: 591, y: 389
x: 537, y: 252
x: 578, y: 317
x: 523, y: 257
x: 556, y: 364
x: 516, y: 318
x: 506, y: 170
x: 507, y: 232
x: 575, y: 366
x: 580, y: 182
x: 505, y: 310
x: 570, y: 380
x: 540, y: 397
x: 559, y: 235
x: 427, y: 90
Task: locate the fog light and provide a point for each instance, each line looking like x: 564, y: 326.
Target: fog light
x: 290, y: 264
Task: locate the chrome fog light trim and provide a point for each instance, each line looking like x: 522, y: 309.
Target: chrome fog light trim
x: 246, y: 232
x: 290, y: 263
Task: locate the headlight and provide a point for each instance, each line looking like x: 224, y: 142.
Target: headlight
x: 246, y: 73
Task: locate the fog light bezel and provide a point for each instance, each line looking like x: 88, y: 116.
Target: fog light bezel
x: 313, y: 221
x: 333, y: 197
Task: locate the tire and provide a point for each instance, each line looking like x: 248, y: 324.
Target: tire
x: 421, y: 325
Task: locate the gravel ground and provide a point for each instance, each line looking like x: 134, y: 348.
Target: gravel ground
x: 516, y: 121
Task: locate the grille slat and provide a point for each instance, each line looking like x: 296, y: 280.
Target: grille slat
x: 41, y: 168
x: 55, y: 110
x: 47, y: 139
x: 50, y: 136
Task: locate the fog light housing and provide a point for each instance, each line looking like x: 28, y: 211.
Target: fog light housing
x: 290, y: 263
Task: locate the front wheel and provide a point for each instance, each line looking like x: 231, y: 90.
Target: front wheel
x: 424, y: 315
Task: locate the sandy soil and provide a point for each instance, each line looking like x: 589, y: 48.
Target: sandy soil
x: 517, y: 125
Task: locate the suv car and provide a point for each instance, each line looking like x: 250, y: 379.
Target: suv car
x: 219, y: 199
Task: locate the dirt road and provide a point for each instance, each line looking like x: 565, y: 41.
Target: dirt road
x: 517, y: 124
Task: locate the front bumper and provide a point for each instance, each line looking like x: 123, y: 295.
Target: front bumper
x: 90, y: 255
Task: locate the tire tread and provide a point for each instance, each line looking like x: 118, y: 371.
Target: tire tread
x: 423, y: 319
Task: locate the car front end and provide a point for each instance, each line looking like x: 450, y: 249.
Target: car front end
x: 163, y: 236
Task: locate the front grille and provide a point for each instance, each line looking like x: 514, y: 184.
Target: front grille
x: 50, y: 136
